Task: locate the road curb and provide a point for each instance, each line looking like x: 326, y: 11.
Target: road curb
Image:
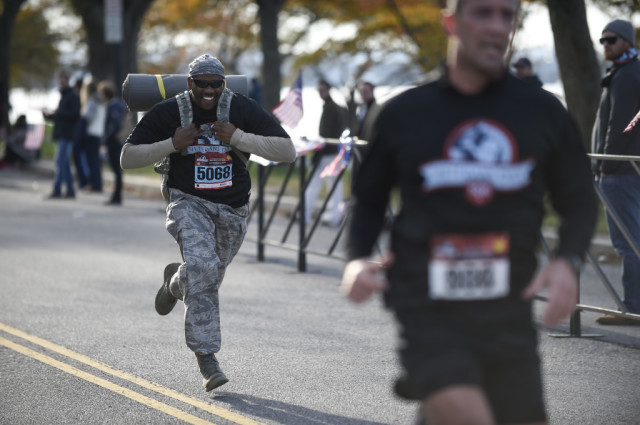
x: 148, y: 187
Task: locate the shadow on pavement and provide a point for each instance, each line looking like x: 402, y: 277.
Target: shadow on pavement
x: 286, y: 413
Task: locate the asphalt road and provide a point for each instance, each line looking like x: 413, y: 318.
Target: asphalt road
x: 80, y: 342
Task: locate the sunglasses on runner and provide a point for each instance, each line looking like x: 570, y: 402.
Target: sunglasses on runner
x: 609, y: 40
x: 215, y: 84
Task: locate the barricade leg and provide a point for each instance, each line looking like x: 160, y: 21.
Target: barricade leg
x: 575, y: 324
x: 261, y: 184
x: 302, y: 256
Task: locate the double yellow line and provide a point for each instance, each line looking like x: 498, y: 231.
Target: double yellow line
x: 147, y: 401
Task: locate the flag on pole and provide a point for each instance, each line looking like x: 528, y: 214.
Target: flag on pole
x: 34, y: 137
x: 289, y: 110
x: 304, y: 146
x: 340, y: 161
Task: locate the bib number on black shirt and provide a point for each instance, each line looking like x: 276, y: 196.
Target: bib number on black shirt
x: 213, y: 165
x: 469, y: 267
x: 213, y: 176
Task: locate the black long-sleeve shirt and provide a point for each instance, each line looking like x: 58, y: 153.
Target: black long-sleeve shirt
x: 67, y: 115
x: 619, y: 104
x: 198, y: 169
x: 472, y: 164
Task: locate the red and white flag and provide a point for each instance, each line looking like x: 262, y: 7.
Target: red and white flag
x: 34, y: 137
x: 289, y: 110
x: 304, y: 146
x: 340, y: 161
x: 632, y: 123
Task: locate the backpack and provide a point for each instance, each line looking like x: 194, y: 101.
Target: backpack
x: 186, y: 117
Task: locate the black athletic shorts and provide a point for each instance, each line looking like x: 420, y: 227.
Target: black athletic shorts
x: 488, y: 344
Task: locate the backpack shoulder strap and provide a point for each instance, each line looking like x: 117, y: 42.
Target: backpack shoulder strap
x: 224, y: 105
x: 186, y: 117
x: 184, y: 105
x: 224, y: 108
x: 222, y: 112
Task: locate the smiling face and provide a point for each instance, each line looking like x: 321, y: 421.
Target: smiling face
x: 205, y: 97
x: 479, y: 32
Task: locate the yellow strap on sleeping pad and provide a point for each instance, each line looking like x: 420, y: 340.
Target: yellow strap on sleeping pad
x: 161, y: 86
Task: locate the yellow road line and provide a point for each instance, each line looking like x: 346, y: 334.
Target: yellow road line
x: 218, y: 411
x: 154, y: 404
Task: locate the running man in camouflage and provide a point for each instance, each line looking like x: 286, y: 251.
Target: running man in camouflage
x: 208, y: 185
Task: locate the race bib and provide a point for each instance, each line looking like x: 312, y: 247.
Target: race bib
x: 213, y: 168
x: 469, y: 267
x: 213, y: 176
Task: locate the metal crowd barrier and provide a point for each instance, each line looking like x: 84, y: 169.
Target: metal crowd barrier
x: 304, y: 236
x: 575, y: 325
x: 622, y: 309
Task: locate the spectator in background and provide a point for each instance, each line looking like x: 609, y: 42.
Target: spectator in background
x: 14, y: 152
x: 94, y: 113
x: 65, y: 118
x: 524, y: 70
x: 115, y: 112
x: 79, y: 148
x: 367, y: 111
x: 613, y: 134
x: 333, y: 122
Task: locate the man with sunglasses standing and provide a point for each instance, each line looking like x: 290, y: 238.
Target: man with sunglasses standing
x: 614, y: 134
x: 473, y: 154
x: 209, y: 188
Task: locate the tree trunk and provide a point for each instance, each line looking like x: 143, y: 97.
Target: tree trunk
x: 577, y: 60
x: 271, y: 74
x: 7, y: 19
x: 112, y: 61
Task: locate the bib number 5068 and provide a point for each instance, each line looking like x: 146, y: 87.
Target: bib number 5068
x: 213, y: 173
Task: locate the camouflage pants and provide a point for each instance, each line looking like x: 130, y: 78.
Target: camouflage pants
x: 209, y: 236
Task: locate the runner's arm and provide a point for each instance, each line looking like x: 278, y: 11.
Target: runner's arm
x: 273, y: 148
x: 138, y: 156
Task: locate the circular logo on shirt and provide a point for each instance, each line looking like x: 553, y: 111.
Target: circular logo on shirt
x: 482, y: 141
x: 480, y: 157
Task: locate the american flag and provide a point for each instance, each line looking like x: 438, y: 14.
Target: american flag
x: 632, y: 123
x: 341, y: 160
x: 34, y: 137
x: 304, y: 146
x: 289, y: 110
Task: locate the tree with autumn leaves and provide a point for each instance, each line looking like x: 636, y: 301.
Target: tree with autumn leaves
x: 280, y: 30
x: 379, y: 29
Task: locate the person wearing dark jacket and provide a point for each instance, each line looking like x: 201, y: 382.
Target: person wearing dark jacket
x: 367, y: 111
x: 474, y: 154
x: 333, y: 122
x: 615, y: 133
x: 15, y: 154
x: 65, y: 119
x: 524, y: 71
x: 115, y: 112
